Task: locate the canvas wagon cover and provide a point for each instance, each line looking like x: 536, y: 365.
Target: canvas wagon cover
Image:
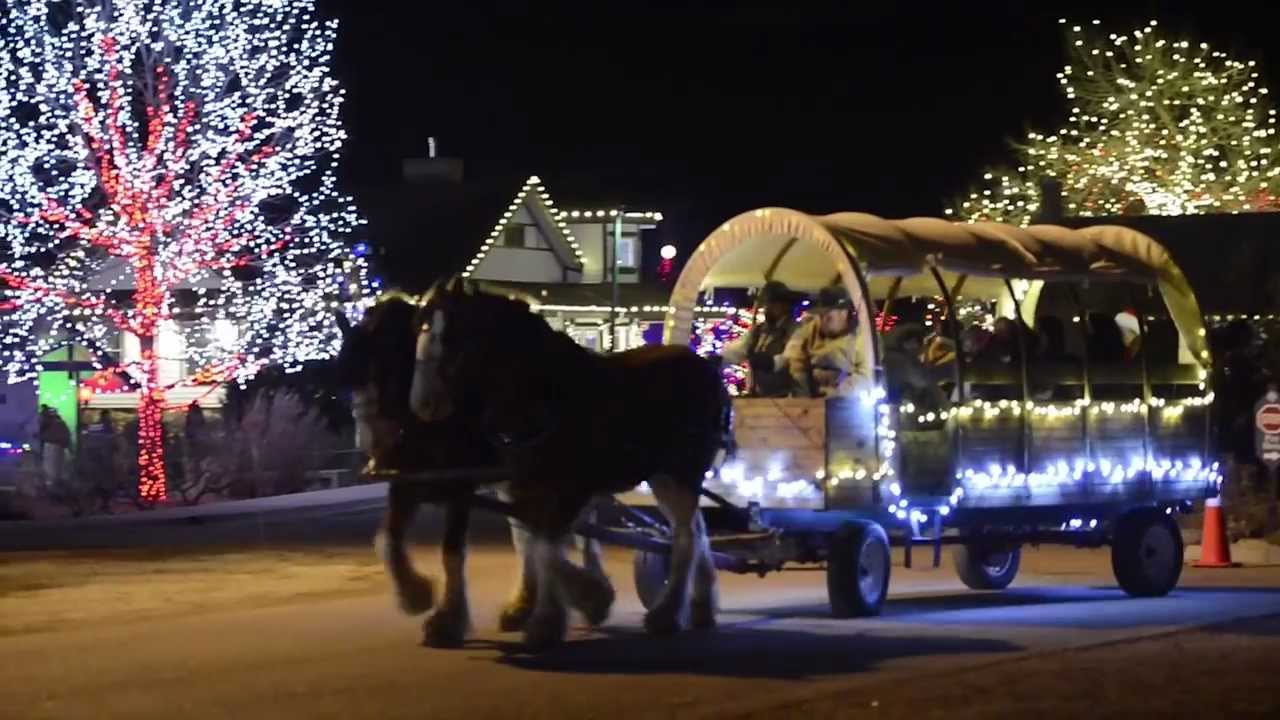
x: 809, y: 252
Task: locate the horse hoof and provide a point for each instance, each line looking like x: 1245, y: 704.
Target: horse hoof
x: 597, y: 603
x: 661, y: 622
x: 446, y: 629
x: 515, y: 616
x: 545, y: 632
x: 415, y: 594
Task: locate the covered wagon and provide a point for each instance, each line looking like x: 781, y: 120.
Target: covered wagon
x: 1088, y: 443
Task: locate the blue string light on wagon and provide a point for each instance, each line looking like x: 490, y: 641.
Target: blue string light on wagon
x: 1075, y: 471
x: 1052, y: 476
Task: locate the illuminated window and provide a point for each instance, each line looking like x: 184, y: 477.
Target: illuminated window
x: 628, y: 245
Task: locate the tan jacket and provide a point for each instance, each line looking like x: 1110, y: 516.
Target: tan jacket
x: 765, y: 338
x: 808, y: 351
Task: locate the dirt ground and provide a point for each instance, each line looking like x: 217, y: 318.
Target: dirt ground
x: 47, y: 590
x: 1227, y: 671
x: 311, y: 631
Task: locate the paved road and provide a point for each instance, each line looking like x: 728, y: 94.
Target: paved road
x: 354, y: 657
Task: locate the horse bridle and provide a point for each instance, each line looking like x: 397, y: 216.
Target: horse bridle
x: 432, y: 363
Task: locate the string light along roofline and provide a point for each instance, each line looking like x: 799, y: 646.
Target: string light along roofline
x: 609, y: 214
x: 533, y: 194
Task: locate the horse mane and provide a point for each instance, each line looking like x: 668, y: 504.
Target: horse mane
x: 377, y: 336
x: 500, y: 322
x: 525, y: 324
x: 396, y: 295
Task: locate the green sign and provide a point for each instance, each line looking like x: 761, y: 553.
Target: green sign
x: 59, y: 389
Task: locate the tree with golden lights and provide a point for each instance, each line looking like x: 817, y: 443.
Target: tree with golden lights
x: 1157, y: 126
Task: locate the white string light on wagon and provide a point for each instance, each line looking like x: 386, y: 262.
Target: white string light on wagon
x: 974, y: 482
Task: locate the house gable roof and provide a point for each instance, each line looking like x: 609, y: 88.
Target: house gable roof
x: 536, y: 202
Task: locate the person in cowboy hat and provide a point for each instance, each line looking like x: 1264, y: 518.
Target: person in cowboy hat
x: 762, y: 347
x: 824, y: 355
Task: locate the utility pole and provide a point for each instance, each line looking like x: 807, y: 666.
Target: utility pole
x: 613, y: 305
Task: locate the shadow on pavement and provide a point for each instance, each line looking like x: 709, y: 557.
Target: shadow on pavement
x: 1002, y: 600
x: 1082, y: 608
x: 906, y: 609
x: 1265, y: 626
x: 741, y: 653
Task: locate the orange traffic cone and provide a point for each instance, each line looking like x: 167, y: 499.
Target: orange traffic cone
x: 1215, y: 548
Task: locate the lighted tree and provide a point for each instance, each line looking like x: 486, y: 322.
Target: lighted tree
x: 711, y: 335
x: 171, y: 161
x: 1157, y: 125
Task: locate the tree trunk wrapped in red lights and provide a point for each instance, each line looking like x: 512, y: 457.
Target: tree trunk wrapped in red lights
x: 160, y: 150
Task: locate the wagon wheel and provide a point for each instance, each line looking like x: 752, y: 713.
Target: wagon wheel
x: 1146, y: 553
x: 986, y: 567
x: 858, y: 565
x: 650, y: 570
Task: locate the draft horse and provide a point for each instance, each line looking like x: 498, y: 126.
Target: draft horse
x: 376, y: 362
x: 568, y: 424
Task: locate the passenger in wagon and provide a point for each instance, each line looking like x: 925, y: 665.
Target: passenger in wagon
x: 825, y: 354
x: 763, y: 346
x: 1004, y: 347
x: 908, y: 378
x: 939, y: 350
x: 974, y: 341
x: 1106, y: 342
x: 995, y: 355
x: 1130, y: 333
x: 1052, y: 352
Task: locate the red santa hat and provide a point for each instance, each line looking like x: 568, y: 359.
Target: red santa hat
x: 1127, y: 320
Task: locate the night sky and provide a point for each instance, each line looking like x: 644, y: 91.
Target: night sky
x: 705, y: 112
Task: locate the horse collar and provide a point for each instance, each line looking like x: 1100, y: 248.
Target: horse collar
x: 511, y: 441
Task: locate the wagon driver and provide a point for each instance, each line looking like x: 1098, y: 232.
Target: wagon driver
x: 763, y: 346
x: 824, y: 356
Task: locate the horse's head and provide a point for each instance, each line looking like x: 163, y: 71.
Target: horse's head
x: 376, y: 362
x: 465, y: 338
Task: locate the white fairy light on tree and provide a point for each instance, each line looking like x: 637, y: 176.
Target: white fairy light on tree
x: 180, y: 153
x: 1157, y: 126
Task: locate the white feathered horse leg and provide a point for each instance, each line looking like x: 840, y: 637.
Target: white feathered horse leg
x: 588, y: 588
x: 679, y: 502
x: 592, y: 557
x: 519, y: 606
x: 549, y: 622
x: 449, y: 624
x: 414, y: 592
x: 705, y: 602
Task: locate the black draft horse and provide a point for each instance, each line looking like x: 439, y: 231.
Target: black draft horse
x: 569, y: 424
x: 376, y: 362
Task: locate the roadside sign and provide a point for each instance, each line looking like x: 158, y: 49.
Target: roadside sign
x: 1266, y: 416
